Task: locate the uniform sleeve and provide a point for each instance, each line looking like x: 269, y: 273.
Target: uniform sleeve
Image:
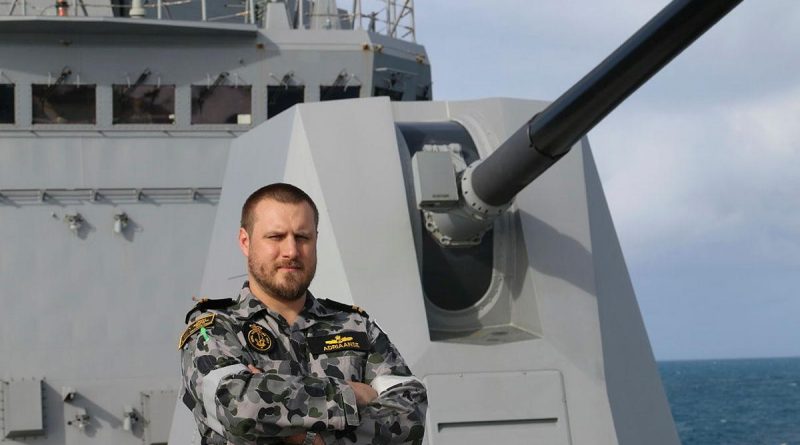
x: 398, y: 414
x: 225, y: 396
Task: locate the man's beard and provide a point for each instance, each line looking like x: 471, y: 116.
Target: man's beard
x: 292, y: 288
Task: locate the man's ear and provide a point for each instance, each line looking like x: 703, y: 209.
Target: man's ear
x: 244, y: 242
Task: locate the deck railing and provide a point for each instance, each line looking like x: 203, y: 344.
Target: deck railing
x: 394, y: 18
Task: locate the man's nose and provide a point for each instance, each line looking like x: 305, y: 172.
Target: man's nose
x: 289, y: 247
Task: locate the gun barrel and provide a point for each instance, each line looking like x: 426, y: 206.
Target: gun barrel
x: 550, y: 134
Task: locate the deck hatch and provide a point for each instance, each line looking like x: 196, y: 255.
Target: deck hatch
x: 22, y: 408
x: 529, y: 404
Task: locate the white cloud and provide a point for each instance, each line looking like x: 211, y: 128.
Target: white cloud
x: 768, y: 127
x: 718, y: 174
x: 521, y: 49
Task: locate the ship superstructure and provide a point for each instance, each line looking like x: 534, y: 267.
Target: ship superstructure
x: 115, y: 128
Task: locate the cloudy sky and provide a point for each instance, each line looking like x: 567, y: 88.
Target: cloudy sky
x: 701, y: 166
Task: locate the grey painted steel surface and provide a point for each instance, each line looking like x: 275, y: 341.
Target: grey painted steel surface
x: 585, y: 374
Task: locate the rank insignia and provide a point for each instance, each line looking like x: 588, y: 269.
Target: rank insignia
x: 201, y: 322
x: 258, y: 337
x: 335, y: 305
x: 354, y: 341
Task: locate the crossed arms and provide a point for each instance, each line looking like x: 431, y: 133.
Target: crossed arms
x: 278, y: 403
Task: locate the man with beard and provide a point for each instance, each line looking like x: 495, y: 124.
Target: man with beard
x: 276, y: 364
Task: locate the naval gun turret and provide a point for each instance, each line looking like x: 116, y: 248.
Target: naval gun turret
x: 512, y: 303
x: 487, y: 187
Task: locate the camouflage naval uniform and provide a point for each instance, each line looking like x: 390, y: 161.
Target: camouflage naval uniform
x: 303, y: 384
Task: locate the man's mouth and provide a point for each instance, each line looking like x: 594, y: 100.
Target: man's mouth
x: 290, y: 266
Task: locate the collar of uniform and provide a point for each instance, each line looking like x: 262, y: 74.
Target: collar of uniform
x: 315, y: 308
x: 248, y: 306
x: 312, y: 311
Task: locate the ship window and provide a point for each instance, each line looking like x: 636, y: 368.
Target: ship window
x: 424, y: 93
x: 280, y: 98
x: 64, y: 104
x: 144, y: 104
x: 221, y: 104
x: 393, y: 94
x: 339, y: 92
x: 7, y: 104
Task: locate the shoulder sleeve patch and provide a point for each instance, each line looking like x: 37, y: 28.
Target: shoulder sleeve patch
x: 201, y: 322
x: 330, y: 304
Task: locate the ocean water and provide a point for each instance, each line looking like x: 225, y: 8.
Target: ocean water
x: 734, y: 402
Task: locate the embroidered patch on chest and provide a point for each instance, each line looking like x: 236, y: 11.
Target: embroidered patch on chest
x: 258, y: 337
x: 201, y: 322
x: 342, y: 341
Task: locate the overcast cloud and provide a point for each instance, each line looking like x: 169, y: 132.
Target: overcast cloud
x: 700, y: 166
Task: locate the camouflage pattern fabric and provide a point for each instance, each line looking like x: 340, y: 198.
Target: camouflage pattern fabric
x: 301, y: 387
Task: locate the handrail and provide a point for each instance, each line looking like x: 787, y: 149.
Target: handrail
x: 394, y: 18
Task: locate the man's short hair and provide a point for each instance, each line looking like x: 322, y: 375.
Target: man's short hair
x: 279, y: 191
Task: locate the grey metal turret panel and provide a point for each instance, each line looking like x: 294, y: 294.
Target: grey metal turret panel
x: 588, y: 327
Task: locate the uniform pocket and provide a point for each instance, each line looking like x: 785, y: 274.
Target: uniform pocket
x: 347, y: 365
